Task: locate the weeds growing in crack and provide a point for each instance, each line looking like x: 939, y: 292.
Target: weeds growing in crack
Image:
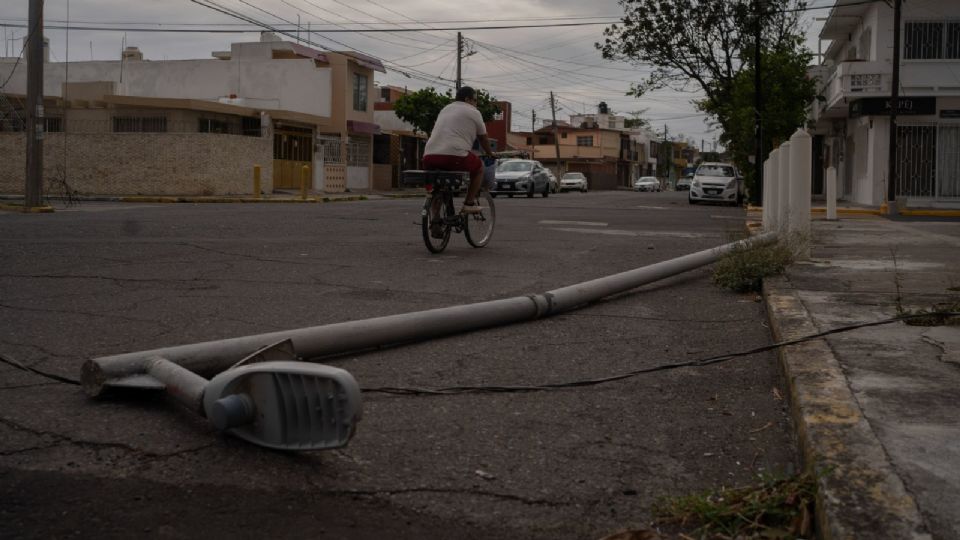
x: 744, y: 268
x: 937, y: 315
x: 57, y: 186
x: 776, y: 507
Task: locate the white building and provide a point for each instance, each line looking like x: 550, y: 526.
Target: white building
x: 852, y: 124
x: 308, y: 108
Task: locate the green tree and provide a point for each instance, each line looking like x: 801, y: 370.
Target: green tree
x: 707, y: 46
x: 421, y: 108
x: 787, y: 91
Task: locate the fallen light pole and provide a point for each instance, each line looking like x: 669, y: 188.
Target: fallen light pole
x: 283, y: 404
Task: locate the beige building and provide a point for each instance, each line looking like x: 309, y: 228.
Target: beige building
x: 198, y: 127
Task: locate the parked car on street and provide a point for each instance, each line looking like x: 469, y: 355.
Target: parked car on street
x: 716, y: 182
x: 554, y: 183
x: 646, y: 183
x: 573, y: 181
x: 683, y: 184
x: 521, y: 177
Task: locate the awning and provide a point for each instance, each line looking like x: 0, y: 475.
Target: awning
x: 307, y: 52
x: 366, y: 128
x: 365, y: 61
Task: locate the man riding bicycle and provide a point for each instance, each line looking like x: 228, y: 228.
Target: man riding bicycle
x: 458, y: 125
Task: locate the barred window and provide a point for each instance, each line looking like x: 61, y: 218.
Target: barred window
x: 358, y: 152
x: 931, y: 40
x: 138, y: 124
x: 53, y: 124
x: 212, y: 125
x: 250, y: 126
x: 585, y: 140
x: 359, y: 92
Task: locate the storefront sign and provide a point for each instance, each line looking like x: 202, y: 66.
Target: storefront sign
x: 907, y: 106
x: 950, y: 113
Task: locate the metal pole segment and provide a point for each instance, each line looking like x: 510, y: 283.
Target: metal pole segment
x: 212, y: 357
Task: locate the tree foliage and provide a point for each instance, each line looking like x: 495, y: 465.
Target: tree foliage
x: 422, y: 107
x: 786, y: 93
x: 708, y: 46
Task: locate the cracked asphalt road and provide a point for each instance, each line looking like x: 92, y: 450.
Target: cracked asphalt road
x: 100, y: 279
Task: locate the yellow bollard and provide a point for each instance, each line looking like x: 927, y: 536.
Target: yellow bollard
x: 256, y: 182
x: 304, y: 177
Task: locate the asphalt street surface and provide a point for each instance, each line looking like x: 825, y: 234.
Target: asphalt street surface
x: 106, y: 278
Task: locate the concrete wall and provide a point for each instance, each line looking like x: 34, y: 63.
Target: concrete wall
x: 289, y: 84
x: 143, y: 163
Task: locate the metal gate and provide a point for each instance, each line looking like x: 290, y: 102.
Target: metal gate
x: 916, y: 160
x: 292, y: 149
x: 948, y: 161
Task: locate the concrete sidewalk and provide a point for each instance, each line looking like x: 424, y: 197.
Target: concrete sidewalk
x: 877, y: 409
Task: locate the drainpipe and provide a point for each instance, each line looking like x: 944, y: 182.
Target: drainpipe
x: 213, y: 357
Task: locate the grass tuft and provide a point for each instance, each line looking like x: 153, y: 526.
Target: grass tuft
x: 777, y: 507
x: 743, y: 269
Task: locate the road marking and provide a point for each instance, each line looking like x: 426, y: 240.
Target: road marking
x: 651, y: 207
x: 738, y: 218
x: 581, y: 223
x: 620, y: 232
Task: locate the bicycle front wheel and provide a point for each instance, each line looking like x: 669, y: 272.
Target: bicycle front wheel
x: 478, y: 228
x: 436, y: 229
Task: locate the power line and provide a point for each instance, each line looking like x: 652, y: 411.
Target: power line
x: 325, y: 31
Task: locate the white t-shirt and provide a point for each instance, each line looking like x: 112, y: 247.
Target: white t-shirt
x: 458, y: 125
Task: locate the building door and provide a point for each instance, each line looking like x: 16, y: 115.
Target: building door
x: 292, y: 149
x: 916, y: 160
x: 948, y: 162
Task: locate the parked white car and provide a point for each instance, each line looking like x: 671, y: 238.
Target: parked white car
x: 716, y: 182
x: 573, y: 181
x: 646, y: 183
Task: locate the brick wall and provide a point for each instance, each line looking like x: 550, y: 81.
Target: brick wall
x: 142, y: 163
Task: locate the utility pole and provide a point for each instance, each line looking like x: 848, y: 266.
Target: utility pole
x: 556, y: 133
x: 533, y: 133
x: 756, y: 195
x: 894, y: 105
x: 459, y: 59
x: 34, y: 173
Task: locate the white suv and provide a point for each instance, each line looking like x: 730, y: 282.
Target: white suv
x: 717, y: 182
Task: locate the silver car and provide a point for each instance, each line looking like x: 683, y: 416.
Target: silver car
x: 646, y: 183
x: 716, y: 182
x: 573, y: 180
x: 521, y: 177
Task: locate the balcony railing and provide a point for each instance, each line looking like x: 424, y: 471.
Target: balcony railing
x: 852, y: 80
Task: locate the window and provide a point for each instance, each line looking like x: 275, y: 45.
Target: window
x: 211, y: 125
x: 359, y: 92
x: 563, y: 135
x: 250, y: 126
x: 612, y: 124
x: 931, y: 40
x: 585, y: 140
x: 138, y: 124
x: 544, y: 139
x: 529, y: 140
x: 53, y: 124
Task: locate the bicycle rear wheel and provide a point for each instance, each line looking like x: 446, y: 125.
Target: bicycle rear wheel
x: 436, y: 230
x: 478, y: 228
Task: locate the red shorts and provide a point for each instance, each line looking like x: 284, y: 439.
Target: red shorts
x: 438, y: 162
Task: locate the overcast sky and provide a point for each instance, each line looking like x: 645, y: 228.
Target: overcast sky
x: 517, y: 65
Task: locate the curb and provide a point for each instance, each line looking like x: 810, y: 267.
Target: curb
x: 859, y: 493
x: 26, y: 209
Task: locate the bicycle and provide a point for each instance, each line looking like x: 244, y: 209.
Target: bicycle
x: 439, y: 218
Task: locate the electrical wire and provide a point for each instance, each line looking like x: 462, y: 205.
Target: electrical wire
x: 494, y: 389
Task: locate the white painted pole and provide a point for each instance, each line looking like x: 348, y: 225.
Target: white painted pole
x: 801, y: 150
x: 767, y: 227
x: 831, y: 193
x: 783, y: 194
x: 774, y: 188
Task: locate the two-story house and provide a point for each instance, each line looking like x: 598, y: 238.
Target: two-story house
x: 852, y: 125
x: 199, y: 126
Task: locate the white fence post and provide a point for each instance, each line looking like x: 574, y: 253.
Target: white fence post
x: 801, y: 152
x: 783, y: 194
x: 766, y: 196
x: 831, y: 193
